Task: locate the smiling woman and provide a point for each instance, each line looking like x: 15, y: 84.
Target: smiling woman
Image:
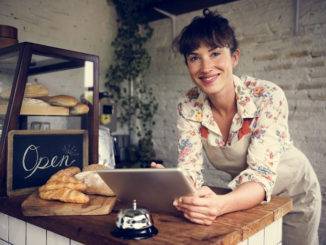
x: 241, y: 124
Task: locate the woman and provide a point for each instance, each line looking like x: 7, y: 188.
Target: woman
x: 241, y: 124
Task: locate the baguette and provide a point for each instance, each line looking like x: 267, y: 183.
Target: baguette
x: 79, y: 109
x: 35, y: 90
x: 63, y: 100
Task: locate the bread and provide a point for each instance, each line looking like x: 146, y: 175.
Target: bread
x: 64, y: 195
x: 94, y: 167
x: 79, y: 109
x: 53, y: 185
x: 5, y: 93
x: 35, y: 90
x: 65, y: 175
x: 34, y: 102
x: 94, y: 183
x: 63, y: 100
x: 71, y: 171
x: 63, y: 186
x: 64, y: 179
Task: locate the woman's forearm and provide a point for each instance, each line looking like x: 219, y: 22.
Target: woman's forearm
x: 245, y: 196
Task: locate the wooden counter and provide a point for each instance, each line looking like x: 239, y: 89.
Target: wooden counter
x: 228, y: 229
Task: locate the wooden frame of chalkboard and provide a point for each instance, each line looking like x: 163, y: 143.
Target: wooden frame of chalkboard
x: 33, y: 156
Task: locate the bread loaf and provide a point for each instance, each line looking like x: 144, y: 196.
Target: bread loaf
x: 34, y: 102
x: 63, y: 100
x: 94, y: 167
x: 94, y: 183
x: 79, y: 109
x: 35, y: 90
x: 64, y: 195
x: 5, y: 93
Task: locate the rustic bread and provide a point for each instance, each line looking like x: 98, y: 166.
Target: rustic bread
x: 35, y: 90
x: 94, y: 167
x: 63, y: 100
x: 34, y: 102
x: 64, y: 195
x: 79, y: 109
x: 94, y: 183
x: 5, y: 93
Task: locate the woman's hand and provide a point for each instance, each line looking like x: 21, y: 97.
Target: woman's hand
x: 156, y: 165
x: 203, y: 207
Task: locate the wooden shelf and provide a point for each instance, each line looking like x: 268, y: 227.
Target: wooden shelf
x: 34, y: 110
x: 25, y: 59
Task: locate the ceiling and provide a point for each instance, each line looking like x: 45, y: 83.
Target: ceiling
x: 177, y: 7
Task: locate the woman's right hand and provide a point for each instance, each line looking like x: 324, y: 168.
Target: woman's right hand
x: 156, y: 165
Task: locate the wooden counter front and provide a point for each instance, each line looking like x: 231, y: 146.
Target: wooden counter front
x: 228, y: 229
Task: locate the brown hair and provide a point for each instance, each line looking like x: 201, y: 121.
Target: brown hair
x: 210, y: 29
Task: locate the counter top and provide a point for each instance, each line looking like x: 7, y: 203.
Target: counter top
x: 227, y: 229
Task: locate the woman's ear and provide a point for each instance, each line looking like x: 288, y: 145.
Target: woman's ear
x: 235, y: 57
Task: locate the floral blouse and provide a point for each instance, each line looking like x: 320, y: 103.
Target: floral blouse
x: 262, y: 112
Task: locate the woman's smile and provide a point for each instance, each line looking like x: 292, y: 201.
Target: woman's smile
x: 208, y: 80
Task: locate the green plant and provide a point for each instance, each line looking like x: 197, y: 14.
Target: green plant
x: 136, y: 102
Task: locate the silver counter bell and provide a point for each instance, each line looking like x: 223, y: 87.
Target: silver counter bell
x: 134, y: 223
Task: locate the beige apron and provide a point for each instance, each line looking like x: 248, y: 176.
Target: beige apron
x: 296, y: 179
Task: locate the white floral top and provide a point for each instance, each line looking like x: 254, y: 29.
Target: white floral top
x: 262, y: 112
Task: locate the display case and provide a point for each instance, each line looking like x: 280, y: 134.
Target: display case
x: 62, y: 72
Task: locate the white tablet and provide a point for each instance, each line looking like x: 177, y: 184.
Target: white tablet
x: 154, y: 189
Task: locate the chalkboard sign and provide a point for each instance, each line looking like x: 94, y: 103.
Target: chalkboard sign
x: 33, y: 156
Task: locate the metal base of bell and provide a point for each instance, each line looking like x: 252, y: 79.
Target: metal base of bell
x: 134, y: 234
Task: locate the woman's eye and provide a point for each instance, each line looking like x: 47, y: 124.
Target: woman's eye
x: 215, y: 54
x: 193, y: 58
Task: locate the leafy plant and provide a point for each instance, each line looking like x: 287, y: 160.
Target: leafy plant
x: 136, y: 103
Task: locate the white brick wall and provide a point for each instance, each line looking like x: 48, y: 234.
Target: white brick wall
x: 17, y: 232
x: 270, y: 51
x: 79, y: 25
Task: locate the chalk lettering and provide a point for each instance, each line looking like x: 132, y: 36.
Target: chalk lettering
x: 43, y: 162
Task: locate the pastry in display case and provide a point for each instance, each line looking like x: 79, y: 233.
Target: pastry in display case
x: 42, y: 85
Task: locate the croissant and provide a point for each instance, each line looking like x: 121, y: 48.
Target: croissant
x: 65, y: 195
x: 52, y: 185
x: 71, y: 171
x: 63, y: 179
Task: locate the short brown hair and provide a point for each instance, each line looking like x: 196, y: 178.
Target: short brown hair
x: 210, y: 29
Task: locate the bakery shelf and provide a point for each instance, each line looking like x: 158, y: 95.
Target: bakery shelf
x: 28, y: 61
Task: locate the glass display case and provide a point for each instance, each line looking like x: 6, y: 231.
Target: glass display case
x: 54, y: 71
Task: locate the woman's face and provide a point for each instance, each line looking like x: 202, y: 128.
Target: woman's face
x: 211, y: 69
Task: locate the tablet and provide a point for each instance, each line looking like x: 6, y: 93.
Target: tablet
x: 154, y: 189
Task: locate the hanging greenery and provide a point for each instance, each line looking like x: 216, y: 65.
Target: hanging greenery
x: 135, y: 100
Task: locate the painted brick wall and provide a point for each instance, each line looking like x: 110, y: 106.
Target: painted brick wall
x: 270, y: 51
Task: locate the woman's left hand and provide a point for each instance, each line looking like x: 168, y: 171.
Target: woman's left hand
x: 203, y: 207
